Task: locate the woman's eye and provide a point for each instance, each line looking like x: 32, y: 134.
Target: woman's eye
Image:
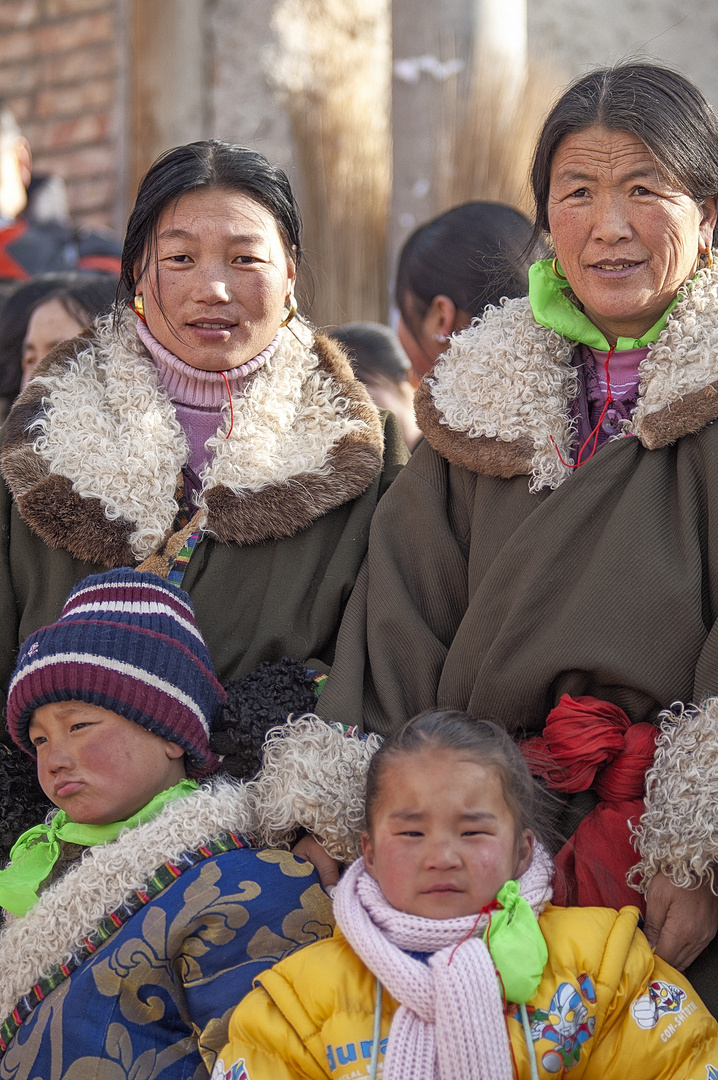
x: 640, y: 190
x: 410, y: 832
x: 38, y: 740
x: 579, y: 193
x: 247, y: 260
x: 182, y: 260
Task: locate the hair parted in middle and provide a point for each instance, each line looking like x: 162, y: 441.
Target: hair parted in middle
x: 663, y: 109
x: 208, y: 164
x: 484, y: 740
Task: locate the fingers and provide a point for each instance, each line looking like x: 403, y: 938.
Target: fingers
x: 310, y: 849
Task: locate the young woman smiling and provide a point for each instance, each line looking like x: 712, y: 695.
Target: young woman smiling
x: 204, y: 419
x: 566, y: 496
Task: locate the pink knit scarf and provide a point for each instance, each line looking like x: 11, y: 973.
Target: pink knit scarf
x: 450, y: 1023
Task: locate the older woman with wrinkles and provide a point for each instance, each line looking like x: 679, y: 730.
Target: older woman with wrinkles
x: 557, y: 531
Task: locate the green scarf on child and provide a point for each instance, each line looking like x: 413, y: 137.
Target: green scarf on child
x: 34, y: 855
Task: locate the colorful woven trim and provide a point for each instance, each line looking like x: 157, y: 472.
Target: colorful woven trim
x: 319, y: 683
x: 164, y: 877
x: 179, y: 567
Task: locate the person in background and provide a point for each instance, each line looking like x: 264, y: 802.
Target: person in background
x: 63, y: 314
x: 378, y: 359
x: 452, y: 267
x: 43, y: 239
x: 99, y: 292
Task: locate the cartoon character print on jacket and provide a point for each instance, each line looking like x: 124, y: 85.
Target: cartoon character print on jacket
x: 237, y: 1071
x: 660, y: 998
x: 566, y: 1023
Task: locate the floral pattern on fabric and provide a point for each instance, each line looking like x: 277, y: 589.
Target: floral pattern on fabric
x: 153, y: 1003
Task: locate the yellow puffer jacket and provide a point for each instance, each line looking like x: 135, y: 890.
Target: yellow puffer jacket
x: 606, y: 1009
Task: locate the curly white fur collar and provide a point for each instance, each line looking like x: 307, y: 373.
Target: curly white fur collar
x: 313, y: 776
x: 105, y: 878
x: 501, y: 392
x: 93, y: 448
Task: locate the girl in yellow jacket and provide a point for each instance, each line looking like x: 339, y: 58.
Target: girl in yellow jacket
x: 449, y: 963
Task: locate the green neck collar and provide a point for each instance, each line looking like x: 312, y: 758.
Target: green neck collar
x: 34, y: 855
x: 552, y: 308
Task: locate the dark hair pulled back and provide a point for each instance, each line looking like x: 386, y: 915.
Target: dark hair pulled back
x: 209, y: 164
x: 663, y: 109
x: 475, y: 254
x: 487, y: 742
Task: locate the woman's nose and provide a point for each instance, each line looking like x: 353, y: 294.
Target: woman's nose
x: 611, y: 223
x: 212, y: 289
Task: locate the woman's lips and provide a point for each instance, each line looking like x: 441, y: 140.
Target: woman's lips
x: 67, y: 787
x: 212, y: 332
x: 611, y: 270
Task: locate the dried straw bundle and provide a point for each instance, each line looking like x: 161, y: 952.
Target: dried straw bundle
x: 332, y: 65
x: 488, y: 134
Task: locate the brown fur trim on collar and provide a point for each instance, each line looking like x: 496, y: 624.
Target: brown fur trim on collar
x: 498, y: 401
x: 93, y: 448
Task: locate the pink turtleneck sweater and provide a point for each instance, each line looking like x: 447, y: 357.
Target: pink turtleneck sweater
x: 198, y: 397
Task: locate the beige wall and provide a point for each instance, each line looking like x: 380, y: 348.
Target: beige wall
x: 581, y: 34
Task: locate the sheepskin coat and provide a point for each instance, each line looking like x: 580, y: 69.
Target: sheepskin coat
x: 91, y: 457
x: 499, y: 579
x: 131, y: 963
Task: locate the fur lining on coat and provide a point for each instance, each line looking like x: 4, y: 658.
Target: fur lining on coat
x: 313, y: 776
x: 93, y: 448
x: 501, y: 392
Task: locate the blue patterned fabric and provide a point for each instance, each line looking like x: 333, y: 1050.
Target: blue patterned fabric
x: 154, y: 1002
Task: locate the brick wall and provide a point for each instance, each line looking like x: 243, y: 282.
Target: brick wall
x: 60, y: 64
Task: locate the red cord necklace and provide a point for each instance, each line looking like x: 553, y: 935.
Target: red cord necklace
x: 595, y: 432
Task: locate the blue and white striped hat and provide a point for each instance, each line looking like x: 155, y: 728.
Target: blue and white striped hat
x: 128, y: 642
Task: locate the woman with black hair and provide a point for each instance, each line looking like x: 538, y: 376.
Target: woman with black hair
x: 64, y: 313
x: 554, y: 536
x: 82, y: 297
x: 204, y: 432
x: 451, y: 268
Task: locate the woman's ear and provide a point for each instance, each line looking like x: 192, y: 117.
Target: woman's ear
x: 709, y: 211
x: 525, y: 852
x: 440, y: 319
x: 292, y: 270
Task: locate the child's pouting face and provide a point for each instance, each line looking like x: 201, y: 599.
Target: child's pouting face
x: 443, y: 840
x: 96, y: 765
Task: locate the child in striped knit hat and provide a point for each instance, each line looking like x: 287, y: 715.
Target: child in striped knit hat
x: 132, y: 913
x: 449, y: 962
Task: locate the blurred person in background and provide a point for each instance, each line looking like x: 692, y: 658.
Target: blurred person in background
x: 84, y: 296
x: 451, y: 268
x: 378, y: 359
x: 38, y: 237
x: 63, y: 314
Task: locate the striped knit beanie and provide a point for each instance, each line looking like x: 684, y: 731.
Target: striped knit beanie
x: 128, y: 642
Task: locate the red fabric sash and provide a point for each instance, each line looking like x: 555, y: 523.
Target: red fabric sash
x: 591, y: 743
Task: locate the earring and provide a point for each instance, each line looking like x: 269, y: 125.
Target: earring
x: 709, y: 259
x: 440, y: 337
x: 292, y: 311
x: 554, y: 267
x: 138, y: 305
